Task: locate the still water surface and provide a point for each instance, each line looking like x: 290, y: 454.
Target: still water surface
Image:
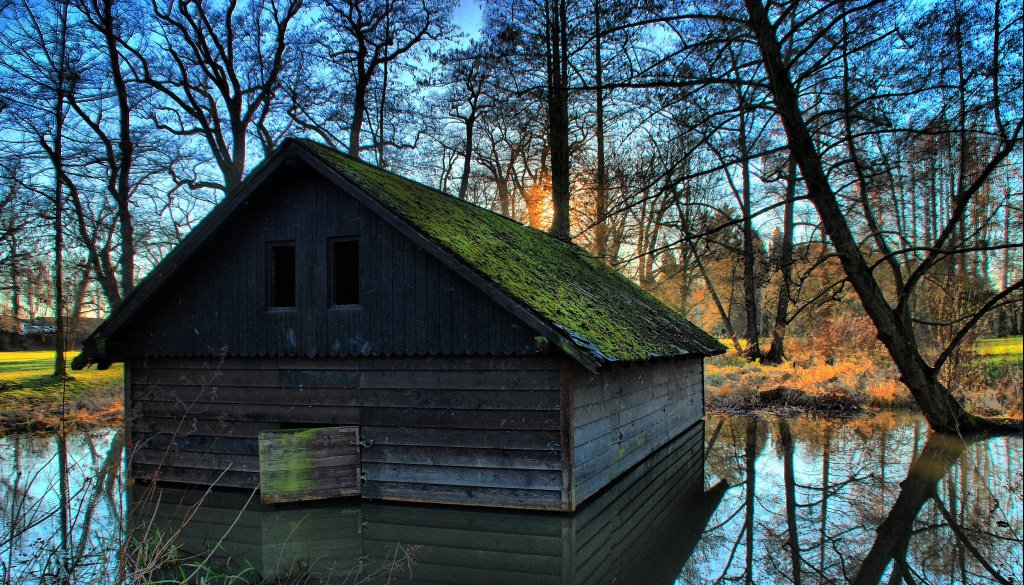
x: 741, y: 499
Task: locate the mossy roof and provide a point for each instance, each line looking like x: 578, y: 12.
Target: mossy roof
x: 597, y: 310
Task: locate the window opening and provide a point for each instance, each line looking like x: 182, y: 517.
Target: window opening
x: 345, y: 272
x: 282, y: 275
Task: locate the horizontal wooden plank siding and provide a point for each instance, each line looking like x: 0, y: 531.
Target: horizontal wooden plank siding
x: 623, y: 415
x: 308, y: 464
x: 275, y: 543
x: 410, y: 303
x: 464, y: 430
x: 642, y: 529
x: 464, y: 546
x: 657, y: 513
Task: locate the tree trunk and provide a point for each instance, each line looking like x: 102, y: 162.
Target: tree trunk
x: 942, y: 410
x: 751, y: 332
x: 601, y: 182
x: 750, y: 457
x: 558, y: 115
x: 789, y: 476
x: 726, y: 320
x: 937, y: 457
x: 59, y: 365
x: 777, y: 351
x: 358, y: 104
x: 15, y: 279
x: 381, y: 114
x: 467, y: 155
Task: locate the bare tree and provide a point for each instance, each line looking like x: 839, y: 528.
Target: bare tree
x: 893, y: 320
x: 364, y: 46
x: 215, y: 67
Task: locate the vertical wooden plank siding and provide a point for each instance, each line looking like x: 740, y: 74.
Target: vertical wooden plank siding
x: 565, y: 410
x: 625, y: 414
x: 467, y: 430
x: 410, y: 304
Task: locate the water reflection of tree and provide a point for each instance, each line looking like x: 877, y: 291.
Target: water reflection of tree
x: 822, y: 487
x: 920, y: 519
x: 44, y: 541
x: 741, y: 441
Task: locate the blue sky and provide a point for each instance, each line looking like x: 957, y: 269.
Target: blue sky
x: 469, y: 17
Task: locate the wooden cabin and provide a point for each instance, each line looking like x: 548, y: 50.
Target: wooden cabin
x: 333, y: 329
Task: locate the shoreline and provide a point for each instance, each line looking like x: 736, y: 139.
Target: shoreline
x: 45, y: 419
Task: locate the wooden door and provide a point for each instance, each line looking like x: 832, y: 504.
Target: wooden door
x: 309, y: 464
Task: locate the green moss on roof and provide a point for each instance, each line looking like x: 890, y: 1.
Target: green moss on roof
x: 599, y: 310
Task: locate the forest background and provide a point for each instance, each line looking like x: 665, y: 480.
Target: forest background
x: 832, y: 187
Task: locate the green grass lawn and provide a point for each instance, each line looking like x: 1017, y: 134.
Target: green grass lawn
x: 30, y: 395
x: 1002, y: 349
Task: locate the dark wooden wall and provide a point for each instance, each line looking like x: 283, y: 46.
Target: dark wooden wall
x: 467, y: 430
x: 643, y: 529
x: 411, y: 304
x: 623, y: 415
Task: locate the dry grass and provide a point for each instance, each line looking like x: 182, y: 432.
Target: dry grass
x: 989, y: 384
x: 846, y: 385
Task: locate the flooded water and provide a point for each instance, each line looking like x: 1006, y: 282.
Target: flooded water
x: 739, y: 499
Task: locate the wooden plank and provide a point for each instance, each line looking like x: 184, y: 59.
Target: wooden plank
x: 433, y: 331
x: 617, y: 433
x: 566, y: 428
x: 251, y: 412
x: 473, y: 477
x: 211, y: 376
x: 593, y: 477
x: 193, y: 460
x: 460, y: 342
x: 360, y: 329
x: 307, y: 464
x: 392, y: 397
x: 393, y: 342
x: 196, y: 443
x: 482, y: 380
x: 421, y: 343
x: 188, y: 475
x: 461, y: 399
x: 317, y: 281
x: 381, y: 280
x: 541, y: 420
x: 318, y: 378
x: 521, y: 499
x: 625, y: 415
x: 508, y: 364
x: 484, y: 439
x: 496, y: 458
x: 179, y: 426
x: 228, y: 363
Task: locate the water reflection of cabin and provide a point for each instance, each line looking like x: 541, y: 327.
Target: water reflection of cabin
x: 643, y: 529
x: 433, y: 350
